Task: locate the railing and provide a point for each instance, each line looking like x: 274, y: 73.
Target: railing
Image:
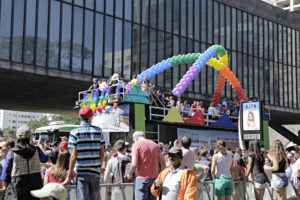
x: 81, y: 93
x: 159, y: 113
x: 243, y: 190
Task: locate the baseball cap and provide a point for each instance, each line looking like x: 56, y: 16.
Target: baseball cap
x: 175, y: 150
x: 51, y: 190
x: 85, y: 112
x: 63, y: 145
x: 23, y: 132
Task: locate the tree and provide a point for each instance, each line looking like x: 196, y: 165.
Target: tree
x: 8, y: 132
x: 68, y: 119
x: 34, y: 124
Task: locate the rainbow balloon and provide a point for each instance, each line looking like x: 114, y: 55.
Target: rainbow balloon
x: 199, y: 61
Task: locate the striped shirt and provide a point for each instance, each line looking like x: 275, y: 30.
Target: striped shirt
x: 87, y: 139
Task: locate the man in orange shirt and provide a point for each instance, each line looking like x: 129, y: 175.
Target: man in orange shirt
x: 145, y: 158
x: 176, y: 182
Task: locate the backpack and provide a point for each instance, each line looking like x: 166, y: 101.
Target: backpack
x: 122, y: 170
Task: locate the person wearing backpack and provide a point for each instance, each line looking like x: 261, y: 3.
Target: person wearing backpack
x: 117, y: 169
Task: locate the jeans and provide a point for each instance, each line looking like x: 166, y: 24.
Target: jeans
x: 87, y: 187
x: 142, y: 189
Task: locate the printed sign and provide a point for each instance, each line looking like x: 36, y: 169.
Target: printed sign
x: 251, y: 116
x: 208, y: 138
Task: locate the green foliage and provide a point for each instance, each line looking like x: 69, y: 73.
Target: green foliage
x: 8, y: 132
x: 34, y: 124
x: 68, y: 119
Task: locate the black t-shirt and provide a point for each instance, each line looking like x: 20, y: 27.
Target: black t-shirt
x: 95, y: 86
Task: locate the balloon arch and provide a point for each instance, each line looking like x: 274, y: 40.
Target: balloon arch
x: 199, y: 61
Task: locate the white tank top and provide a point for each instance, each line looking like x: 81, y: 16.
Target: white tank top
x: 223, y: 165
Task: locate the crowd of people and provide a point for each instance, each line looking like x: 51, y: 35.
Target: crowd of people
x: 32, y: 169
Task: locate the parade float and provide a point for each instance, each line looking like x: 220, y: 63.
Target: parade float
x: 123, y: 112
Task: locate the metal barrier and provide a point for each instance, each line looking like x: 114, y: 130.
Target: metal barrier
x: 243, y: 190
x: 124, y: 191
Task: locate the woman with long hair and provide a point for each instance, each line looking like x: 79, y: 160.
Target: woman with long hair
x: 296, y: 171
x: 221, y: 171
x: 279, y: 181
x: 255, y: 166
x: 59, y: 172
x: 21, y: 172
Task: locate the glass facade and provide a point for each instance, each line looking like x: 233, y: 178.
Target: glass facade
x: 102, y: 37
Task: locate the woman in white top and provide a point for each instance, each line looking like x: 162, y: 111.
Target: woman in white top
x: 221, y: 171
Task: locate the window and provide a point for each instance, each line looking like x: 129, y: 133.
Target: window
x: 183, y: 16
x: 90, y: 3
x: 190, y: 16
x: 118, y: 46
x: 88, y: 42
x: 128, y: 9
x: 109, y: 7
x: 108, y: 46
x: 18, y: 31
x: 168, y: 53
x: 169, y: 15
x: 100, y: 5
x: 197, y: 20
x: 136, y: 10
x: 30, y: 31
x: 160, y: 56
x: 145, y: 12
x: 161, y: 14
x: 66, y: 37
x: 216, y: 30
x: 119, y: 8
x: 144, y: 49
x: 42, y: 33
x: 229, y: 30
x: 98, y: 59
x: 153, y: 13
x: 135, y: 49
x: 53, y: 48
x: 209, y: 21
x: 77, y: 40
x: 233, y: 29
x: 223, y: 26
x: 176, y: 16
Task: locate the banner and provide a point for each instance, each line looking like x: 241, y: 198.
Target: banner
x: 112, y: 120
x: 208, y: 138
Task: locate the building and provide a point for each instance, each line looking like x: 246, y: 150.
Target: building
x: 14, y: 119
x: 53, y: 45
x: 290, y: 5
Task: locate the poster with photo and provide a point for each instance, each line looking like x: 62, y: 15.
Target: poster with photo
x: 251, y: 112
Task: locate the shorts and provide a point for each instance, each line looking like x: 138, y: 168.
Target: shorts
x: 258, y: 185
x: 279, y: 181
x: 223, y: 186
